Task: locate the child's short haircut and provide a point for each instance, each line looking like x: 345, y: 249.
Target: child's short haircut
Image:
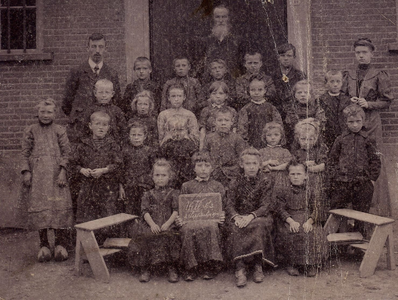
x: 177, y: 86
x: 162, y: 162
x: 144, y: 94
x: 137, y: 124
x: 295, y: 163
x: 227, y: 110
x: 96, y: 37
x: 353, y: 110
x: 143, y: 59
x: 217, y: 60
x: 303, y: 125
x: 252, y: 53
x: 219, y: 84
x: 282, y: 49
x: 176, y: 123
x: 331, y: 73
x: 180, y: 58
x: 250, y: 151
x: 273, y: 125
x: 103, y: 82
x: 99, y: 114
x: 47, y: 102
x: 301, y: 83
x: 201, y: 156
x: 364, y: 42
x: 258, y: 77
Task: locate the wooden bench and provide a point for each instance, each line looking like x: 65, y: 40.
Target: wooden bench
x: 87, y: 246
x: 382, y: 236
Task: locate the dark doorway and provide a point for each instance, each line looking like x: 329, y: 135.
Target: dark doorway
x: 177, y: 27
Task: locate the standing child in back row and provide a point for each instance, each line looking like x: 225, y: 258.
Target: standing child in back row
x: 253, y: 64
x: 191, y: 86
x: 333, y: 101
x: 142, y: 70
x: 354, y: 164
x: 48, y: 204
x: 254, y: 115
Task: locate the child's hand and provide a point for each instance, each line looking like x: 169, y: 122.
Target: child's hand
x: 307, y: 226
x: 363, y: 103
x: 61, y: 181
x: 165, y: 226
x: 294, y: 226
x: 179, y: 221
x: 27, y: 178
x: 222, y: 218
x: 85, y: 172
x: 243, y: 221
x: 310, y: 163
x: 122, y: 193
x: 273, y: 163
x: 96, y: 173
x: 155, y: 228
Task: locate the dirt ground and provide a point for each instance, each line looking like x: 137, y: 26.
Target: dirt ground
x: 21, y: 277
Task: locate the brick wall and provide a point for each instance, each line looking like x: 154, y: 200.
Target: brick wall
x: 336, y: 24
x: 67, y: 25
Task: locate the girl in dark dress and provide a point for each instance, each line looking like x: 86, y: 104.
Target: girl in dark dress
x: 300, y: 237
x: 154, y: 239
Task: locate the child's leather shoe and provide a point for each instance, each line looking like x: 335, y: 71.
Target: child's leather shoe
x: 44, y: 254
x: 292, y: 271
x: 258, y: 275
x: 173, y: 276
x: 60, y: 253
x: 145, y: 276
x: 241, y: 279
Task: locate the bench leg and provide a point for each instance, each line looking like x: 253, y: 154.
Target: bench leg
x: 92, y: 251
x: 375, y: 249
x: 78, y: 254
x: 332, y: 224
x: 390, y: 249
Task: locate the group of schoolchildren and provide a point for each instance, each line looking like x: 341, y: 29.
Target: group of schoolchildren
x: 279, y: 158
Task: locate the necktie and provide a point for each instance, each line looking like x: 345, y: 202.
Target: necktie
x: 96, y: 69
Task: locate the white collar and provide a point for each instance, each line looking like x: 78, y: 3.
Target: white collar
x: 259, y: 102
x: 217, y: 106
x: 93, y: 64
x: 333, y: 95
x: 198, y: 179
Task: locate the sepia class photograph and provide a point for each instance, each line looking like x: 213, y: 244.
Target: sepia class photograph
x: 198, y: 149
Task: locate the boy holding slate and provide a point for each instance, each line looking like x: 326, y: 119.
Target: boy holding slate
x: 201, y: 239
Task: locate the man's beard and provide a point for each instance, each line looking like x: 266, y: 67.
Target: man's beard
x: 220, y: 31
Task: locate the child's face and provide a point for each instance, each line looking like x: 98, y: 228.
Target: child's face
x: 302, y: 94
x: 178, y: 133
x: 99, y: 126
x: 46, y: 114
x: 103, y: 93
x: 334, y: 83
x: 355, y: 123
x: 137, y: 136
x: 161, y: 176
x: 363, y: 54
x: 223, y: 122
x: 250, y: 165
x: 217, y: 70
x: 286, y: 59
x: 273, y: 137
x: 297, y: 175
x: 182, y: 67
x: 176, y: 98
x: 142, y: 70
x: 253, y: 63
x: 218, y: 96
x: 307, y: 138
x: 203, y: 169
x: 257, y: 90
x: 143, y: 106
